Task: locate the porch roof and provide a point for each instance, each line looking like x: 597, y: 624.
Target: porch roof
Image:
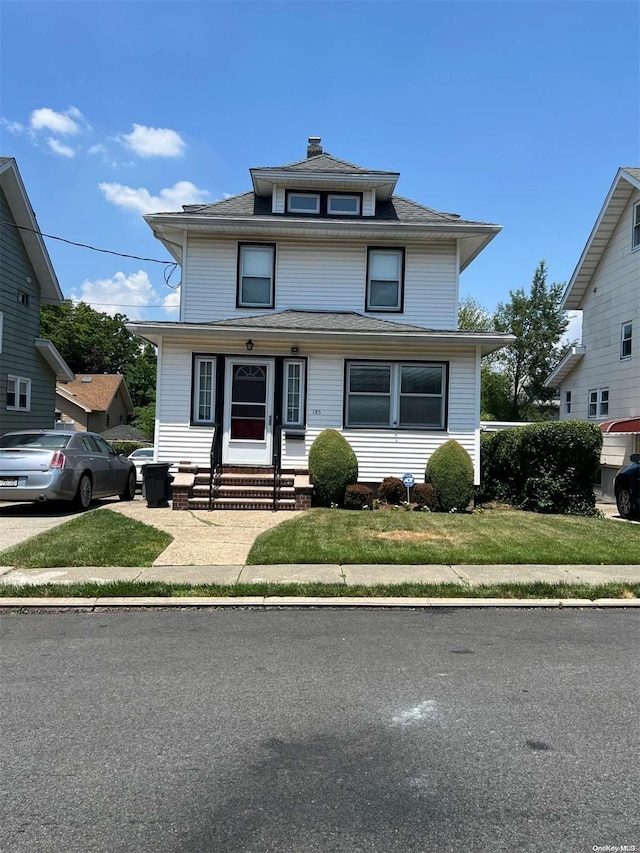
x: 290, y: 325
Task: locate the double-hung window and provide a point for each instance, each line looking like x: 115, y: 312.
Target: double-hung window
x: 204, y: 384
x: 18, y: 393
x: 598, y: 403
x: 293, y: 397
x: 385, y: 279
x: 256, y: 275
x: 635, y: 233
x: 390, y: 395
x: 626, y: 340
x: 567, y: 402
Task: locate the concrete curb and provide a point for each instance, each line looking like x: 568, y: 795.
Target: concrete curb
x: 276, y: 601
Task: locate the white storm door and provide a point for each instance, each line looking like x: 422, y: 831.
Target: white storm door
x: 248, y: 412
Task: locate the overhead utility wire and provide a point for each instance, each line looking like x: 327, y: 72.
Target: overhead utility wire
x: 86, y: 246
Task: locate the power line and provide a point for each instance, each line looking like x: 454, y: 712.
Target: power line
x: 87, y: 246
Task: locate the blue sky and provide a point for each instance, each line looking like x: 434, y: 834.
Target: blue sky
x: 517, y: 113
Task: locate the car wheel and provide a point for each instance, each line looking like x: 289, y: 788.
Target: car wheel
x: 130, y: 490
x: 84, y: 494
x: 625, y: 502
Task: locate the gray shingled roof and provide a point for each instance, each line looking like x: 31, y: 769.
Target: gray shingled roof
x: 396, y: 209
x: 322, y: 163
x: 633, y: 171
x: 317, y: 321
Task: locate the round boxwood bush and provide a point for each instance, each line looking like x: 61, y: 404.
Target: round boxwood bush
x: 332, y: 467
x: 450, y: 472
x: 392, y: 491
x: 358, y: 496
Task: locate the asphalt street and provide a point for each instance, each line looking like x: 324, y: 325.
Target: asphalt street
x: 309, y: 731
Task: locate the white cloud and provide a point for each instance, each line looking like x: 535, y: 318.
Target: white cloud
x: 12, y: 126
x: 171, y: 302
x: 141, y: 201
x: 154, y: 141
x: 59, y: 148
x: 66, y: 123
x: 126, y: 294
x: 98, y: 148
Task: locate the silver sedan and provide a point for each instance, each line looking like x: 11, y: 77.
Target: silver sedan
x: 52, y: 465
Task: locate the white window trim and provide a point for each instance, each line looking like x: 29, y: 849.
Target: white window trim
x: 16, y: 381
x: 623, y: 340
x: 398, y: 308
x: 356, y: 198
x: 285, y: 392
x: 635, y: 227
x: 595, y: 397
x: 292, y: 209
x: 266, y: 246
x: 195, y: 414
x: 395, y: 395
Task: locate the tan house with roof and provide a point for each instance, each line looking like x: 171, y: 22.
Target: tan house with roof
x: 95, y: 402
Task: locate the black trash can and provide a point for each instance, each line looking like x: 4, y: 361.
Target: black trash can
x: 156, y: 484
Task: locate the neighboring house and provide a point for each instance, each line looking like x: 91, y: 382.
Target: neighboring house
x: 318, y: 299
x: 29, y: 364
x: 599, y: 380
x: 94, y: 402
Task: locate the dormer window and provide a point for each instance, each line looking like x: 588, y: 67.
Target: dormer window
x: 343, y: 205
x: 303, y: 203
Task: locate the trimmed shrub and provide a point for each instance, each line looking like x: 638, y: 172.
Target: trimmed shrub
x: 332, y: 467
x: 423, y: 494
x: 127, y: 446
x: 358, y: 496
x: 450, y: 472
x: 545, y: 467
x: 392, y: 491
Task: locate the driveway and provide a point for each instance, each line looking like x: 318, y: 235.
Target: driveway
x: 21, y: 521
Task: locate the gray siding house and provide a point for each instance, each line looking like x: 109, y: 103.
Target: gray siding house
x: 29, y: 365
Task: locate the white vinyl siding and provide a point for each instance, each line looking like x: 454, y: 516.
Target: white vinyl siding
x: 612, y: 300
x: 313, y: 276
x: 381, y: 452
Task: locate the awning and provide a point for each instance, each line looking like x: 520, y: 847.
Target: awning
x: 621, y: 426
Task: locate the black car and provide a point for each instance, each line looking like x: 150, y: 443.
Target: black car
x: 627, y: 489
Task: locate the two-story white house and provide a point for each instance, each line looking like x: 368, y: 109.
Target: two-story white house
x: 317, y: 299
x: 599, y: 381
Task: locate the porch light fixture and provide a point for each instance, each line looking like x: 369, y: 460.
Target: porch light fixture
x: 249, y: 345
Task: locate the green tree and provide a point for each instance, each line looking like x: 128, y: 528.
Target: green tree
x: 495, y: 401
x: 538, y: 322
x: 93, y: 342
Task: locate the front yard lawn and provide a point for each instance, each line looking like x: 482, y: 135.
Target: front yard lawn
x: 412, y: 538
x: 103, y: 538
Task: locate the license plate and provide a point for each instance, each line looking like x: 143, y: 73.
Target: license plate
x: 8, y: 481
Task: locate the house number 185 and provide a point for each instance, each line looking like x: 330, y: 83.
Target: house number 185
x: 316, y: 412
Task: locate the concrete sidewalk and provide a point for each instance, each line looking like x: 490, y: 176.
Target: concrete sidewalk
x: 349, y: 575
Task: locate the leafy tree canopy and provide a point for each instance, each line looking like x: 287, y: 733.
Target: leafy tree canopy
x: 93, y: 342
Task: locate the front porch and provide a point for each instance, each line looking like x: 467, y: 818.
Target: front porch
x: 240, y: 488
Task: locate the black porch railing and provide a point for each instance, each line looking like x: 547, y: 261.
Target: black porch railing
x: 215, y: 462
x: 277, y: 465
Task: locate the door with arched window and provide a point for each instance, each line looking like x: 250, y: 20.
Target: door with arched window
x: 248, y: 412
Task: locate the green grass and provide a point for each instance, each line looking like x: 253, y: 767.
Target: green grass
x: 102, y: 538
x: 494, y: 536
x: 158, y: 589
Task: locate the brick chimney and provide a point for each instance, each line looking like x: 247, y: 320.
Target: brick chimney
x: 314, y: 148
